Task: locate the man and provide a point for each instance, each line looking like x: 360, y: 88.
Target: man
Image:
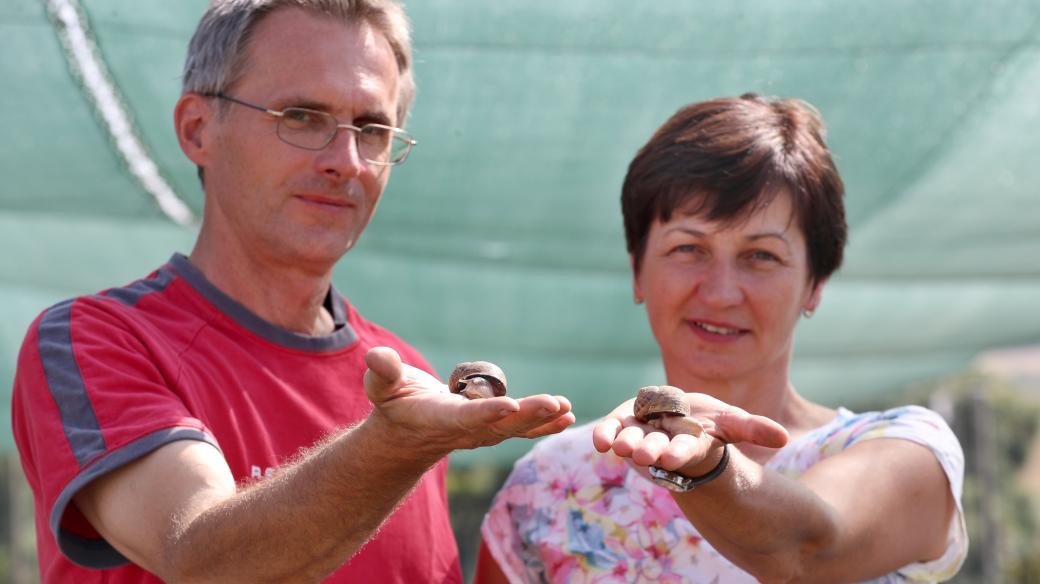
x: 210, y: 423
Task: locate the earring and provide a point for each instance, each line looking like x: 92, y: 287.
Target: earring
x: 637, y: 298
x: 808, y: 312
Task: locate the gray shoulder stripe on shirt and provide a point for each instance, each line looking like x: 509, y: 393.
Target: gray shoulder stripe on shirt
x: 130, y: 295
x: 98, y: 553
x: 65, y: 383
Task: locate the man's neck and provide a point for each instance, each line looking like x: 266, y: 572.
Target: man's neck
x: 285, y: 295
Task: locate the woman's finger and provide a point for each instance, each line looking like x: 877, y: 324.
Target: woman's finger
x: 649, y: 449
x: 733, y: 425
x: 682, y: 450
x: 627, y: 440
x: 604, y: 434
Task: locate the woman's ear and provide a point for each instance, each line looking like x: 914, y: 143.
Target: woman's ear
x: 815, y: 297
x: 193, y: 120
x: 637, y: 292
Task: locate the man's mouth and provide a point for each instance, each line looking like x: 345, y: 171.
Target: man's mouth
x: 326, y: 200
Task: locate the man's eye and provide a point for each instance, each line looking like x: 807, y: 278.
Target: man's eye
x: 299, y: 118
x: 376, y: 136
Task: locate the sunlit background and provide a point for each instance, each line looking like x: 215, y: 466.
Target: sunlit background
x: 500, y: 239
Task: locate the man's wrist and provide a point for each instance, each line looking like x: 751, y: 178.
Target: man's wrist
x: 397, y: 445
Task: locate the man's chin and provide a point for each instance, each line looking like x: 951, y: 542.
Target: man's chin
x: 317, y: 257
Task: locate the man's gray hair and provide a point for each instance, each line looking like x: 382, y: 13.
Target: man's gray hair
x: 217, y: 52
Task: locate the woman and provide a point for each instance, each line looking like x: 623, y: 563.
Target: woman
x: 734, y: 219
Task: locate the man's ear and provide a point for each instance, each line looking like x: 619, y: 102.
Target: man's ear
x: 193, y: 120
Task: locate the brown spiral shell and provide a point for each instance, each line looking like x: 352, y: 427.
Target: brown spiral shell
x: 660, y: 400
x: 477, y: 379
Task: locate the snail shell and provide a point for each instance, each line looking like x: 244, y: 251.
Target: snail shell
x: 477, y: 379
x: 664, y: 407
x: 655, y: 401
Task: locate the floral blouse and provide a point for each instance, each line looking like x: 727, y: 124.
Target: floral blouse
x: 570, y: 514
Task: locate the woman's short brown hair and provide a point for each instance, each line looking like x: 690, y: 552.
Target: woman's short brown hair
x: 727, y: 158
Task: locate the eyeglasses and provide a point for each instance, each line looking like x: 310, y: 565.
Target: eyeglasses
x: 314, y: 130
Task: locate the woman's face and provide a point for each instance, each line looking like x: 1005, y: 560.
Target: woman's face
x: 723, y: 300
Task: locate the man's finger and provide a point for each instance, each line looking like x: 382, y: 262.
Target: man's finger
x: 534, y: 411
x: 553, y: 427
x: 384, y: 373
x: 478, y: 413
x: 565, y: 404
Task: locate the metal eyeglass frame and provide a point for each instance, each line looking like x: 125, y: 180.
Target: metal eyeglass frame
x: 396, y: 133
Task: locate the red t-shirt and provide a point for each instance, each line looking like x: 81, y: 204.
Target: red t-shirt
x: 103, y: 380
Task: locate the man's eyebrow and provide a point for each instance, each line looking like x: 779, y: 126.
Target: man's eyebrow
x: 299, y: 101
x: 374, y: 117
x: 377, y: 117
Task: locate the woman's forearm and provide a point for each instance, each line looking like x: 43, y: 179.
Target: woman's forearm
x: 768, y: 525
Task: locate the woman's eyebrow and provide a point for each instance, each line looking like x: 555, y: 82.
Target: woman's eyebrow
x: 770, y: 235
x: 687, y: 230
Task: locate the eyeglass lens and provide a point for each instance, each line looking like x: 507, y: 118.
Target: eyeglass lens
x: 314, y: 130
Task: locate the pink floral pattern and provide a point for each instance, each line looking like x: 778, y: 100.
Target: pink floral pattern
x: 570, y: 514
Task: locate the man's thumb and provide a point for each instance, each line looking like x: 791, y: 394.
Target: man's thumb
x: 384, y: 373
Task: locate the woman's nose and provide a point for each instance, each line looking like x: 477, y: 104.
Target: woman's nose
x: 720, y: 286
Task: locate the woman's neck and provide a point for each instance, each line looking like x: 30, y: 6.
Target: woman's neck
x: 767, y: 394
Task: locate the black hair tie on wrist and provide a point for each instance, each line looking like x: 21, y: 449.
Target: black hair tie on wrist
x: 680, y: 483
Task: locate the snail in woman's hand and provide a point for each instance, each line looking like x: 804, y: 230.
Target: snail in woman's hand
x: 664, y: 407
x: 477, y: 380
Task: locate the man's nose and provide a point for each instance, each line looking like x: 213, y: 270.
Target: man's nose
x: 341, y: 160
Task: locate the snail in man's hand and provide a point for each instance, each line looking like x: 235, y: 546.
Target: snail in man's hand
x: 477, y: 380
x: 664, y: 407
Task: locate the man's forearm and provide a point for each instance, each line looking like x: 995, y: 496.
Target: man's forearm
x: 305, y: 521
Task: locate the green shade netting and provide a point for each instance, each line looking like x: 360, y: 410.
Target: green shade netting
x: 501, y: 237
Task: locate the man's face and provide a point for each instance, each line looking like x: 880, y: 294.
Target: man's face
x: 283, y: 204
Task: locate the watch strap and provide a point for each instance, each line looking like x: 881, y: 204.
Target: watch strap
x: 681, y: 483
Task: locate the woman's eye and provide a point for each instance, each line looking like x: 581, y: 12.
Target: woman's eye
x: 762, y: 255
x: 686, y: 248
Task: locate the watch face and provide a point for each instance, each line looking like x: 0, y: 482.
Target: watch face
x: 672, y: 481
x: 668, y: 484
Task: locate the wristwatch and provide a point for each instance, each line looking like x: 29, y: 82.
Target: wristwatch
x: 680, y: 483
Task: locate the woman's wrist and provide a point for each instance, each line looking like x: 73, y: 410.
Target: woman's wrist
x: 707, y: 464
x: 681, y: 483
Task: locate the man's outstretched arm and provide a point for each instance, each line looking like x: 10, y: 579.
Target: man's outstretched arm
x: 177, y: 512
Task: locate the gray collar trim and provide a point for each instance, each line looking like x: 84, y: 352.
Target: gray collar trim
x: 342, y: 336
